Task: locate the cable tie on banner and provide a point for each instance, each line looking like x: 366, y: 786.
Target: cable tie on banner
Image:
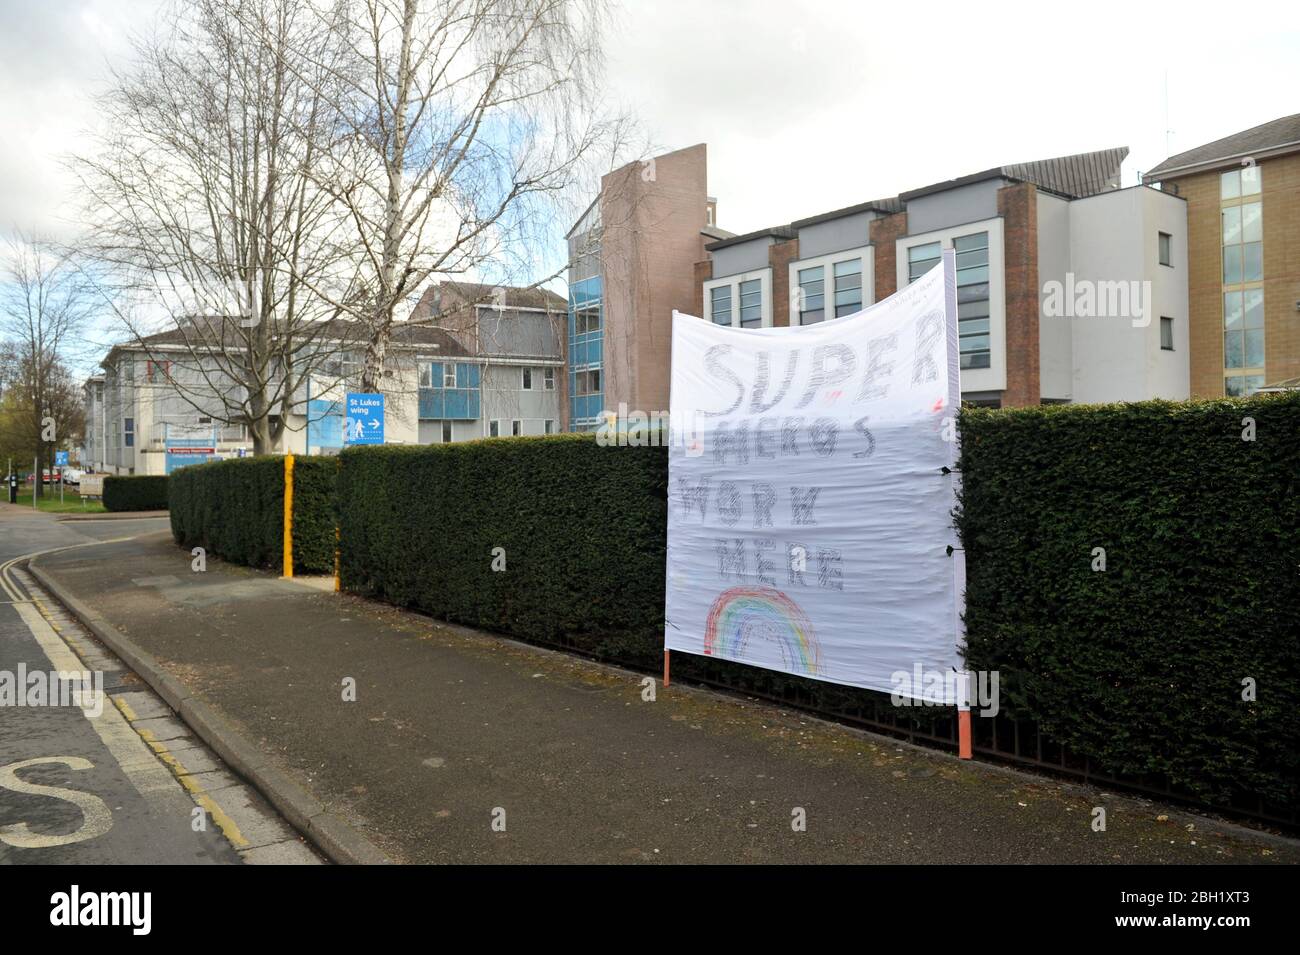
x: 950, y: 550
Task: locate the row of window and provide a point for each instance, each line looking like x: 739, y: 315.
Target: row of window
x: 1242, y: 243
x: 450, y: 377
x: 833, y: 289
x: 516, y: 428
x: 824, y: 289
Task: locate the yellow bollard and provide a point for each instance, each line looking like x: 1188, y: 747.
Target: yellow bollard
x: 288, y: 515
x: 338, y: 582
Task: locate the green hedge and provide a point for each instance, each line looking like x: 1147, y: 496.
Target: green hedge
x: 235, y: 509
x: 1140, y: 667
x: 141, y: 492
x: 582, y: 527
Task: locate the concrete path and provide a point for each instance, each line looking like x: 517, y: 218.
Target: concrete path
x: 465, y: 747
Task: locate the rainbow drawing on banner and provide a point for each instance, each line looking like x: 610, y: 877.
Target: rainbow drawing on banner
x: 744, y: 612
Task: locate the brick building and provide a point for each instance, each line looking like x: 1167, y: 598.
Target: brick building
x: 1243, y: 232
x: 631, y: 256
x: 1070, y: 288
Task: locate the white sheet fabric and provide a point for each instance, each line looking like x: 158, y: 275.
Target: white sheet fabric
x: 809, y: 512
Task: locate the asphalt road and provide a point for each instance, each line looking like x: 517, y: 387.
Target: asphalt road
x: 120, y: 780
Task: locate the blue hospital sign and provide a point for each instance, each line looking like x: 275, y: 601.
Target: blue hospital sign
x: 364, y: 422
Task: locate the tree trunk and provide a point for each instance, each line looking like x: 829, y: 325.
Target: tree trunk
x: 259, y: 424
x: 263, y: 443
x: 372, y: 368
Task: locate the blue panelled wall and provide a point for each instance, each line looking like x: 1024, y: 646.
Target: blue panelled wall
x: 444, y: 401
x: 324, y: 425
x: 586, y: 353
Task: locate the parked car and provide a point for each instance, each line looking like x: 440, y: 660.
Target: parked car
x: 46, y: 478
x: 72, y: 476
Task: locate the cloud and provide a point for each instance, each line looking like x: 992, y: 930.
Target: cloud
x: 812, y: 106
x: 53, y: 60
x: 806, y: 106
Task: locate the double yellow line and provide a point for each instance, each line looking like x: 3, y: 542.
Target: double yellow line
x: 14, y: 589
x: 10, y: 583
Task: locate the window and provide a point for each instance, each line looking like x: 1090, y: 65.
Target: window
x: 922, y: 258
x: 720, y: 305
x: 848, y: 287
x: 972, y: 298
x: 740, y: 301
x: 1243, y: 246
x: 128, y: 432
x: 587, y: 382
x: 548, y: 379
x: 751, y: 304
x: 1243, y: 328
x: 347, y: 367
x: 1239, y: 386
x: 1166, y: 244
x: 527, y: 376
x: 550, y: 426
x: 1239, y: 182
x: 1166, y: 333
x: 426, y: 376
x: 494, y: 428
x: 586, y: 319
x: 829, y: 286
x: 449, y: 375
x: 812, y: 288
x: 516, y: 427
x: 128, y: 369
x: 446, y: 432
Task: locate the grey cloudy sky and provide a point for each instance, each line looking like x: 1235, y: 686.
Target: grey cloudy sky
x: 806, y: 106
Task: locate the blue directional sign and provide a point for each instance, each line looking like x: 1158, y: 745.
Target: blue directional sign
x: 60, y: 459
x: 364, y: 422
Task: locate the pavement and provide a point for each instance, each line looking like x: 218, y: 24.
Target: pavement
x: 118, y: 779
x: 435, y: 743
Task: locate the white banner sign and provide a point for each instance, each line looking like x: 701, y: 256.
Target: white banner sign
x: 810, y: 509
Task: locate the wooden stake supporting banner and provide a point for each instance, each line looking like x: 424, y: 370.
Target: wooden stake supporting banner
x: 666, y: 652
x: 963, y: 718
x: 288, y: 515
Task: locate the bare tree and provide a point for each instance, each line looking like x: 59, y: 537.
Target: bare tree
x: 461, y: 125
x: 45, y: 305
x: 212, y: 238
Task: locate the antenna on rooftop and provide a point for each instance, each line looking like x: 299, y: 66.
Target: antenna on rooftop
x: 1168, y: 131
